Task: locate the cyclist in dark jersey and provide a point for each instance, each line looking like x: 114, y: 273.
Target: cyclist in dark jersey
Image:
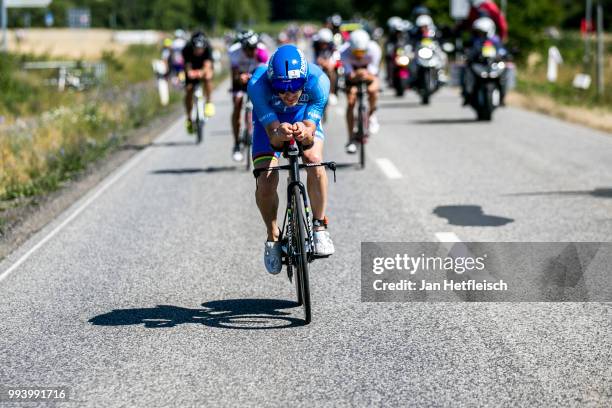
x: 198, y: 67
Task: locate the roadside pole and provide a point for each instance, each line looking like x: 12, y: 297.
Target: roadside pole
x: 600, y: 50
x: 588, y: 17
x: 4, y: 26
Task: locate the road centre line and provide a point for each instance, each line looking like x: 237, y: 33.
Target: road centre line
x: 447, y: 237
x: 389, y: 168
x: 122, y: 171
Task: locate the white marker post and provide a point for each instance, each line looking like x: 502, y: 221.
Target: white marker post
x: 600, y: 50
x: 6, y: 4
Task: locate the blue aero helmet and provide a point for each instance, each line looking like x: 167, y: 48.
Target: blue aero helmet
x: 288, y: 69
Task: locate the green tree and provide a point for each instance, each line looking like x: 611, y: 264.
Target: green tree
x: 172, y: 14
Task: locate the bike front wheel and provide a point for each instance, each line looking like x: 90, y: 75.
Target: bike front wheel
x: 300, y: 256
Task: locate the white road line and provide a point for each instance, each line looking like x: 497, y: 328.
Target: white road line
x: 94, y: 195
x: 447, y: 237
x: 389, y: 168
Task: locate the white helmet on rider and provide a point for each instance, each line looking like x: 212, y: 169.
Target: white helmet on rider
x: 359, y: 40
x: 179, y: 33
x: 484, y: 25
x: 424, y: 21
x: 395, y: 23
x: 325, y: 35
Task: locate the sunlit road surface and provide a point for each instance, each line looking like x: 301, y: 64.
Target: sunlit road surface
x: 151, y: 290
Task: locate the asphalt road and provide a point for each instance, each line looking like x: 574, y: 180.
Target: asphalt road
x: 151, y: 290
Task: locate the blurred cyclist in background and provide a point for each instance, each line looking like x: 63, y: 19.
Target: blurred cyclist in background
x: 334, y: 23
x: 361, y: 61
x: 289, y: 96
x: 245, y: 56
x: 324, y: 50
x: 166, y: 55
x: 176, y: 61
x: 198, y: 67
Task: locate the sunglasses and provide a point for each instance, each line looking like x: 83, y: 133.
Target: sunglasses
x: 359, y: 53
x: 280, y: 86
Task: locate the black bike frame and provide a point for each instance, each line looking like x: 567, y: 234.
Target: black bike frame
x: 299, y: 254
x: 294, y: 167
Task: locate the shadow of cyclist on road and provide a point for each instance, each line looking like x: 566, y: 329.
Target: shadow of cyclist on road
x: 246, y: 314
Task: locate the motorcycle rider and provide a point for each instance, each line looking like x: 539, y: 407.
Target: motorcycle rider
x: 487, y: 8
x: 419, y: 11
x: 483, y: 32
x: 395, y: 38
x: 424, y: 27
x: 361, y: 60
x: 245, y: 56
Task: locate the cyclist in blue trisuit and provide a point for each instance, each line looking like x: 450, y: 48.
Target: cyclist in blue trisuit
x: 289, y: 97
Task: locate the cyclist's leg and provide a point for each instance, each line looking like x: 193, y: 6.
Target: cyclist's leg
x: 266, y: 195
x: 331, y: 73
x: 208, y: 80
x: 236, y: 115
x: 316, y: 177
x: 317, y: 192
x: 351, y: 100
x: 189, y: 87
x: 373, y: 88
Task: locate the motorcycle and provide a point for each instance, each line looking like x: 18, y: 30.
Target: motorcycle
x: 399, y: 72
x: 428, y: 65
x: 484, y: 81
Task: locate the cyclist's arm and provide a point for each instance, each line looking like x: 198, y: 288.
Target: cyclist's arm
x: 318, y: 95
x: 375, y: 53
x: 207, y: 69
x: 278, y: 133
x: 260, y: 93
x: 346, y: 61
x: 305, y: 132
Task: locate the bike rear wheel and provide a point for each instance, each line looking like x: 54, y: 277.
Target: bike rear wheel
x: 362, y: 134
x: 301, y: 252
x: 199, y: 130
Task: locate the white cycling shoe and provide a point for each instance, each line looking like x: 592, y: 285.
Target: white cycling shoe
x: 273, y: 257
x: 324, y: 246
x: 237, y: 155
x: 351, y: 148
x: 332, y: 99
x: 374, y: 126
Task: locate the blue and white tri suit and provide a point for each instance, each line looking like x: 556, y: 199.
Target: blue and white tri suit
x: 268, y: 107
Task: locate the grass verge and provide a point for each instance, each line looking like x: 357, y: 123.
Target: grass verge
x: 48, y: 138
